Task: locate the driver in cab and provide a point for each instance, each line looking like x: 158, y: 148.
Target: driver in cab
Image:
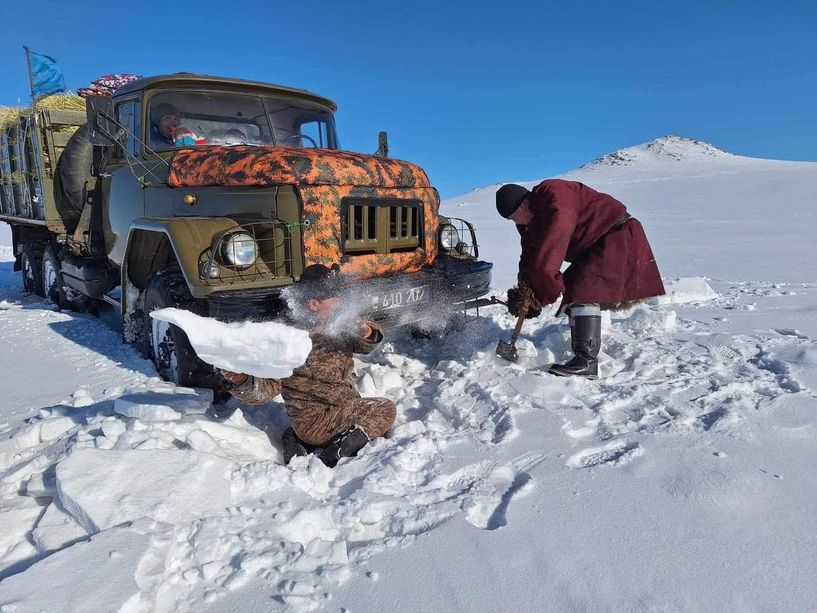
x: 167, y: 131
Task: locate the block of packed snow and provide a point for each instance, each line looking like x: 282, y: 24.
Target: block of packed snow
x: 112, y: 427
x: 55, y: 427
x: 644, y: 320
x: 267, y: 349
x: 16, y: 520
x: 104, y: 488
x: 160, y: 405
x: 609, y: 366
x: 81, y: 398
x: 386, y: 379
x: 233, y: 438
x: 29, y: 436
x: 681, y: 291
x: 41, y: 485
x: 56, y: 529
x: 94, y: 575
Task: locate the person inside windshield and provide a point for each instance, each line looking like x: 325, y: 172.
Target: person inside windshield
x: 164, y: 120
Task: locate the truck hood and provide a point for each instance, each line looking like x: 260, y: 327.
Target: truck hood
x: 262, y: 166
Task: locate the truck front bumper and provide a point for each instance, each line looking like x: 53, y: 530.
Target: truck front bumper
x: 430, y: 294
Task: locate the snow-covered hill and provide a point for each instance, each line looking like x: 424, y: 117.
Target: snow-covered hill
x: 664, y: 149
x: 681, y: 480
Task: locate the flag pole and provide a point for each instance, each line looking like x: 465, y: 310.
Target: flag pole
x: 30, y: 80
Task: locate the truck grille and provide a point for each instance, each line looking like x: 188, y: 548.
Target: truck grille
x: 381, y: 226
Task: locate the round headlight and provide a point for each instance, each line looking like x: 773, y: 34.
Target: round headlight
x: 449, y: 237
x: 239, y: 249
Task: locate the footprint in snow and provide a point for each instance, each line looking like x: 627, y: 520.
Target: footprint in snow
x: 486, y: 504
x: 726, y: 353
x: 614, y: 454
x: 790, y: 332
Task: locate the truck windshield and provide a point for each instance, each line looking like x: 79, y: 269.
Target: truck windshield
x: 189, y: 119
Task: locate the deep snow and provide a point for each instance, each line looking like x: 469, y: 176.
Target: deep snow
x: 683, y: 479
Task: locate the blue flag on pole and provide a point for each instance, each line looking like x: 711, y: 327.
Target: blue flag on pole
x: 46, y: 78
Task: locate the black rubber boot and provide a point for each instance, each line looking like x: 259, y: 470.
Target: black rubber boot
x: 585, y: 339
x: 344, y: 445
x: 293, y: 445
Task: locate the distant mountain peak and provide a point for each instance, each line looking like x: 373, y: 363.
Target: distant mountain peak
x: 666, y: 148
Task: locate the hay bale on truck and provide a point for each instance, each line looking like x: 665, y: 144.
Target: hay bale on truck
x: 32, y: 142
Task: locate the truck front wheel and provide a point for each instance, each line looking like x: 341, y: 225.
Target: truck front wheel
x: 166, y: 344
x: 31, y: 268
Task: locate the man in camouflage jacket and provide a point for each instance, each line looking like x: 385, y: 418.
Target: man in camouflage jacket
x: 322, y: 402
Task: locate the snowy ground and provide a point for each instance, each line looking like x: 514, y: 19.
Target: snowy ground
x: 681, y: 480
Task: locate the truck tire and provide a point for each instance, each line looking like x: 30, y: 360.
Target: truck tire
x: 167, y: 345
x: 31, y: 268
x: 71, y: 177
x: 52, y: 278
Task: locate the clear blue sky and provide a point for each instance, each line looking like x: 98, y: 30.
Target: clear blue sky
x: 475, y: 92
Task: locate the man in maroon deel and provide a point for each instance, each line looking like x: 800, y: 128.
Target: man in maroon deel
x: 611, y: 262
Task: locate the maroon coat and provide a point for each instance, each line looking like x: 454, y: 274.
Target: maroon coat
x: 611, y: 261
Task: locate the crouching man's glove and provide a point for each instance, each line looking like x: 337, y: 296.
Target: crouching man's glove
x: 521, y: 297
x: 237, y: 378
x: 233, y: 380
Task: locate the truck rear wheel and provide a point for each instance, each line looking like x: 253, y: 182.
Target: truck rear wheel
x: 52, y: 278
x: 31, y: 268
x: 167, y: 345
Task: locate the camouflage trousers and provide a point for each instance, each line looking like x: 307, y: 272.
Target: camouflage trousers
x: 317, y: 423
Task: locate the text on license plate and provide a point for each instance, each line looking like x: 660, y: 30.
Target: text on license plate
x: 400, y: 298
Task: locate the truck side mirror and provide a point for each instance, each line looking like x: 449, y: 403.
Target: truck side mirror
x: 382, y: 145
x: 101, y: 122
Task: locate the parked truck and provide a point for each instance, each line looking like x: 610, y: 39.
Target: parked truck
x: 213, y: 194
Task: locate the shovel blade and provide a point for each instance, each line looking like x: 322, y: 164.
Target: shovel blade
x: 507, y: 351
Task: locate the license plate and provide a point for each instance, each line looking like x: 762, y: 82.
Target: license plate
x: 398, y: 299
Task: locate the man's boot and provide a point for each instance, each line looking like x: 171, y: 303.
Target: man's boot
x: 293, y: 445
x: 344, y: 445
x: 585, y: 340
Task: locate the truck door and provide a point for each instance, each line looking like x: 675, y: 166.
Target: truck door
x: 122, y: 186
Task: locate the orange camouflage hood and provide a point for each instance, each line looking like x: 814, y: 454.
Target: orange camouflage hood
x: 323, y: 178
x: 258, y: 166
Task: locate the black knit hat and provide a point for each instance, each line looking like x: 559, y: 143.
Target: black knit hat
x: 162, y: 110
x: 508, y: 199
x: 320, y: 282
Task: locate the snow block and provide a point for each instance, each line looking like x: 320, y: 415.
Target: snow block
x: 684, y: 290
x: 105, y: 488
x: 56, y: 529
x: 233, y: 438
x: 16, y: 520
x: 94, y: 575
x: 156, y: 405
x: 267, y: 349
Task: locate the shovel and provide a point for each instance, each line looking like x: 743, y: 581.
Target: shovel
x: 507, y: 351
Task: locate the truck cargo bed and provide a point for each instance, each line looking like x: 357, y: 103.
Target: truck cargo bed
x: 30, y: 146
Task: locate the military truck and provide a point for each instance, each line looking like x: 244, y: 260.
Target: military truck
x: 213, y: 194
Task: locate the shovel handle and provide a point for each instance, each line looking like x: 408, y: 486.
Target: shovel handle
x: 523, y: 312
